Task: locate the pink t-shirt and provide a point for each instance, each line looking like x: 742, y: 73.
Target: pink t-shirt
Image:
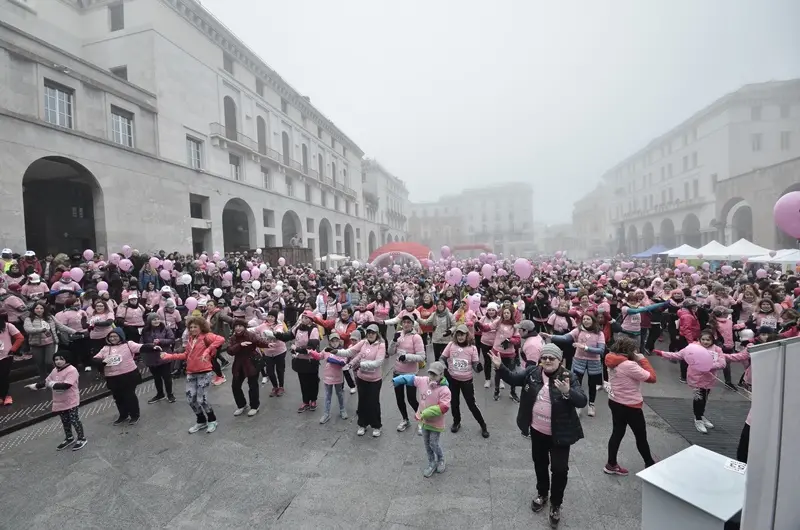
x: 459, y: 361
x: 6, y: 341
x: 132, y: 316
x: 592, y: 340
x: 96, y: 330
x: 120, y: 358
x: 69, y: 398
x: 542, y: 408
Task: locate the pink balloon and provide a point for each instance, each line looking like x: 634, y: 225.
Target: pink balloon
x: 491, y: 258
x: 126, y: 251
x: 76, y: 273
x: 386, y: 275
x: 246, y: 275
x: 222, y: 264
x: 228, y: 276
x: 727, y: 269
x: 695, y: 277
x: 164, y: 275
x: 88, y: 254
x: 457, y: 275
x: 487, y: 271
x: 125, y: 265
x: 396, y: 269
x: 474, y: 302
x: 682, y: 266
x: 474, y: 279
x: 249, y: 264
x: 619, y: 275
x: 691, y: 270
x: 706, y: 266
x: 114, y: 259
x: 215, y: 257
x: 787, y: 214
x: 154, y: 262
x: 699, y: 358
x: 761, y: 273
x: 102, y: 286
x: 281, y: 262
x: 559, y: 254
x: 203, y: 257
x: 502, y: 272
x: 445, y: 250
x: 255, y: 273
x: 210, y: 266
x: 191, y: 303
x: 603, y: 267
x: 677, y: 272
x: 523, y: 268
x: 166, y: 265
x: 482, y: 256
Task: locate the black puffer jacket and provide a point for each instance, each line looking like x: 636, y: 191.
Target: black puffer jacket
x: 566, y: 426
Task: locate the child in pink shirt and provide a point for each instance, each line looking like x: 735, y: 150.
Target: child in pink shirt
x: 332, y: 375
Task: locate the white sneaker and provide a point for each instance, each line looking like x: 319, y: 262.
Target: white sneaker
x: 487, y: 384
x: 325, y: 418
x: 403, y: 426
x: 502, y: 385
x: 376, y: 433
x: 264, y: 380
x: 87, y: 369
x: 238, y: 412
x: 252, y: 412
x: 212, y: 426
x: 419, y: 430
x: 591, y: 410
x: 197, y: 427
x: 700, y: 426
x: 707, y: 423
x: 361, y: 431
x: 353, y: 390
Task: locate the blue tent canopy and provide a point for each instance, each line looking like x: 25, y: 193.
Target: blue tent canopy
x: 652, y: 251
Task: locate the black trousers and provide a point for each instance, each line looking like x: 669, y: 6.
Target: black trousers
x: 623, y: 416
x: 162, y: 378
x: 5, y: 372
x: 382, y: 329
x: 438, y: 349
x: 594, y: 382
x: 410, y: 394
x: 252, y: 391
x: 468, y: 389
x: 123, y: 390
x: 744, y: 444
x: 551, y: 463
x: 699, y: 402
x: 509, y: 363
x: 309, y: 386
x: 81, y: 352
x: 275, y: 369
x: 349, y: 379
x: 487, y: 361
x: 369, y: 403
x: 569, y: 354
x: 653, y: 336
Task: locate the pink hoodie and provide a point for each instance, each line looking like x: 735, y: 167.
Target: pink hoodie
x: 432, y: 394
x: 410, y: 345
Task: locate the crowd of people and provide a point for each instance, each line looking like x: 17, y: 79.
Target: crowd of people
x: 545, y: 328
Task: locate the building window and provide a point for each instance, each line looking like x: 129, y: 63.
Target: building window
x: 714, y: 182
x: 289, y: 186
x: 195, y: 210
x: 309, y: 225
x: 235, y: 164
x: 338, y: 230
x: 755, y: 112
x: 356, y: 209
x: 694, y: 159
x: 260, y: 87
x: 284, y: 106
x: 227, y: 62
x: 333, y: 143
x: 266, y: 178
x: 194, y: 149
x: 358, y: 233
x: 686, y: 163
x: 696, y: 187
x: 686, y: 191
x: 58, y: 105
x: 116, y: 16
x: 304, y: 119
x: 344, y: 151
x: 319, y: 132
x: 323, y: 199
x: 786, y: 140
x: 121, y: 72
x: 336, y: 204
x: 308, y: 193
x: 121, y: 127
x: 786, y: 110
x: 755, y: 142
x: 269, y: 218
x: 270, y: 241
x: 338, y: 247
x: 347, y: 207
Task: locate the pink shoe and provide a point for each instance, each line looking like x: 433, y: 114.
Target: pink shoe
x: 218, y: 380
x: 274, y: 392
x: 8, y: 401
x: 281, y: 391
x: 615, y: 470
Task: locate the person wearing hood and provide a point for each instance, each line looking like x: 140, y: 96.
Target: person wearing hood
x: 410, y: 352
x: 63, y: 382
x: 157, y: 333
x: 548, y: 401
x: 74, y: 317
x: 11, y: 340
x: 170, y: 316
x: 433, y: 405
x: 246, y: 358
x: 425, y: 310
x: 122, y: 375
x: 63, y: 289
x: 14, y: 275
x: 627, y: 370
x: 461, y: 359
x: 368, y: 356
x: 28, y: 264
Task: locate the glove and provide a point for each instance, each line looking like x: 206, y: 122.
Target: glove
x: 478, y: 368
x: 396, y: 336
x: 31, y: 386
x: 447, y: 333
x: 402, y: 358
x: 505, y: 344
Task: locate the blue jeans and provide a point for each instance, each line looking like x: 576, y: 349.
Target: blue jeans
x: 339, y: 395
x: 433, y: 446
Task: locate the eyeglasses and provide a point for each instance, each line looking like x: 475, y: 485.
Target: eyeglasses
x: 548, y: 358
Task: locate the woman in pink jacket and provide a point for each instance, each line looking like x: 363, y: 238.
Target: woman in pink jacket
x: 703, y: 382
x: 274, y: 354
x: 627, y: 370
x: 368, y: 356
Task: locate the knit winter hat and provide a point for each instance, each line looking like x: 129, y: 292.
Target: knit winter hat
x: 491, y: 305
x: 151, y: 317
x: 552, y: 349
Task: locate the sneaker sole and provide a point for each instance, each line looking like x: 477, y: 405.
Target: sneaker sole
x: 609, y: 472
x: 78, y: 448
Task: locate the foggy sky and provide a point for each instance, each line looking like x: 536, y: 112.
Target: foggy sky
x: 449, y: 94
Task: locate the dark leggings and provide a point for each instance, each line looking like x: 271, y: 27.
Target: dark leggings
x: 348, y: 377
x: 382, y: 329
x: 216, y: 366
x: 726, y: 371
x: 70, y: 420
x: 437, y: 350
x: 162, y: 378
x: 487, y: 361
x: 410, y: 394
x: 699, y: 402
x: 509, y: 363
x: 309, y: 386
x: 623, y: 416
x: 5, y: 371
x: 468, y: 389
x: 653, y: 336
x: 594, y: 382
x: 744, y: 444
x: 275, y: 368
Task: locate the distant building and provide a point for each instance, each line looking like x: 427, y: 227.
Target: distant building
x: 590, y: 227
x: 386, y: 203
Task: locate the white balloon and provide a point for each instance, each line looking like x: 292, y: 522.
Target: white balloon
x: 278, y: 289
x: 262, y: 268
x: 186, y: 279
x: 356, y: 264
x: 279, y: 282
x: 218, y: 292
x: 258, y: 251
x: 256, y: 284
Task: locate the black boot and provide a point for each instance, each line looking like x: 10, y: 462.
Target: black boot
x: 456, y: 427
x: 538, y: 503
x: 555, y: 516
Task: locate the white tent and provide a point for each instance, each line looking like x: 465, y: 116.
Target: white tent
x: 745, y: 249
x: 683, y: 251
x: 787, y: 256
x: 712, y: 250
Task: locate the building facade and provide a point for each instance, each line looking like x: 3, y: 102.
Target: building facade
x: 667, y: 193
x: 147, y: 122
x: 385, y: 202
x: 500, y: 217
x: 592, y: 234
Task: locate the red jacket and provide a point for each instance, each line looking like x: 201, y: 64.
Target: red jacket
x: 688, y: 325
x: 199, y: 353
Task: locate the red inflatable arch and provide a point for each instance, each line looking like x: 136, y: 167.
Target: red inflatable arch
x: 413, y: 251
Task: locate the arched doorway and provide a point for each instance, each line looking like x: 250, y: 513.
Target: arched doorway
x: 741, y: 222
x: 63, y: 206
x: 633, y: 240
x: 287, y: 155
x: 396, y: 239
x: 325, y: 238
x: 667, y: 234
x: 372, y: 243
x: 691, y: 231
x: 388, y: 239
x: 290, y: 226
x: 782, y: 239
x: 238, y: 226
x: 349, y: 241
x: 230, y: 117
x: 648, y: 236
x: 261, y: 130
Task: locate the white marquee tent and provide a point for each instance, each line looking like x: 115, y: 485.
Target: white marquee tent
x: 712, y: 250
x: 788, y: 256
x: 683, y: 251
x: 745, y: 249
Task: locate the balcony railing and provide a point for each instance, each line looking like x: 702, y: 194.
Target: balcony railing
x: 328, y: 181
x: 232, y: 135
x: 351, y: 192
x: 673, y: 205
x: 270, y: 153
x: 339, y: 186
x: 312, y: 173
